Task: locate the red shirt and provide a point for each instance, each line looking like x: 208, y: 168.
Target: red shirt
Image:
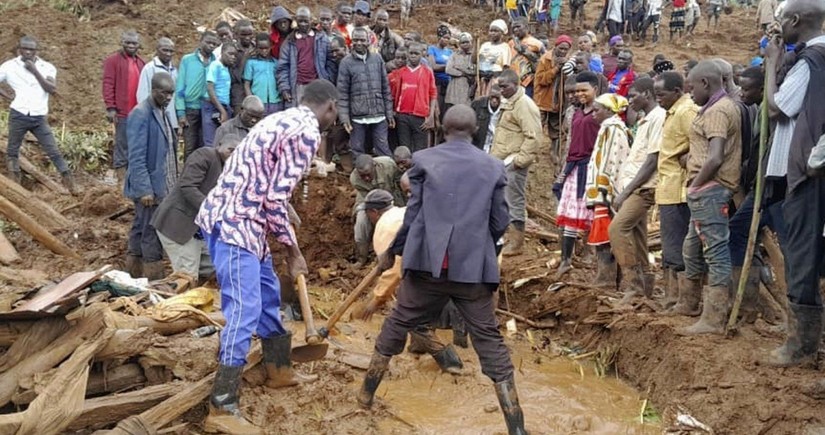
x: 342, y: 29
x: 306, y: 58
x: 417, y: 89
x: 134, y: 79
x: 276, y: 39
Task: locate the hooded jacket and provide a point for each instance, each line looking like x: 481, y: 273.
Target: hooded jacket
x: 278, y: 13
x: 287, y: 72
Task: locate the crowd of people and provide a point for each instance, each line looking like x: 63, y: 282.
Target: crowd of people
x: 257, y: 110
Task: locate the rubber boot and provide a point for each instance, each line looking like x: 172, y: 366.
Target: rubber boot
x: 362, y: 253
x: 690, y: 294
x: 120, y: 173
x: 648, y: 282
x: 448, y: 360
x: 153, y: 271
x: 68, y: 182
x: 714, y: 312
x: 508, y: 399
x: 632, y: 284
x: 13, y: 166
x: 515, y: 240
x: 566, y: 265
x: 804, y: 334
x: 748, y: 311
x: 671, y: 288
x: 375, y: 373
x: 224, y: 411
x: 460, y: 338
x: 279, y: 371
x: 423, y: 340
x: 607, y: 270
x: 133, y: 266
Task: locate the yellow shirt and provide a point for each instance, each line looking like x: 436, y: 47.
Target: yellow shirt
x: 672, y: 177
x: 385, y: 230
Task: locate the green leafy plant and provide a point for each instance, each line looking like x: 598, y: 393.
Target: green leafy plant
x: 84, y: 151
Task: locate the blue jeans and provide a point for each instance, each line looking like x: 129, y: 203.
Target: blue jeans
x: 143, y: 239
x: 706, y: 244
x: 20, y: 124
x: 209, y: 125
x: 378, y: 133
x: 250, y: 297
x: 740, y: 225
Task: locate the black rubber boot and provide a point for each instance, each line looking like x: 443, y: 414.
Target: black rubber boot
x: 567, y: 246
x: 690, y: 295
x: 749, y: 310
x: 375, y: 373
x: 607, y: 269
x: 224, y: 410
x: 278, y: 364
x: 508, y: 399
x: 804, y: 335
x: 671, y: 288
x: 448, y: 360
x: 13, y: 166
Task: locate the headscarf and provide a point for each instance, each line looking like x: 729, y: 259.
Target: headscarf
x: 615, y: 40
x: 500, y: 25
x: 464, y: 36
x: 562, y: 39
x: 663, y: 66
x: 613, y: 102
x: 442, y: 31
x: 592, y: 36
x: 756, y: 61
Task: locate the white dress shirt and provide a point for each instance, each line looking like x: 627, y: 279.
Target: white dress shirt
x: 29, y: 97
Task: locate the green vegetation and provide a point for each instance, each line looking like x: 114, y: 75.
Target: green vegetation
x: 84, y: 151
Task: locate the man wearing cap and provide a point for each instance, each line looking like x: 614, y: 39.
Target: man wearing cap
x: 304, y: 57
x: 361, y: 20
x: 610, y: 60
x: 371, y: 173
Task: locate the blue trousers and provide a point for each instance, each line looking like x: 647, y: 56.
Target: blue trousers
x: 706, y: 244
x: 740, y: 225
x: 208, y: 124
x: 250, y: 297
x: 377, y: 133
x: 143, y: 239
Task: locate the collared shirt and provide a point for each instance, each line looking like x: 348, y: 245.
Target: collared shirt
x: 190, y: 90
x: 789, y: 99
x: 260, y: 73
x: 491, y: 127
x: 647, y: 140
x: 722, y: 119
x: 29, y: 97
x: 251, y: 197
x: 145, y: 84
x: 218, y: 75
x: 171, y: 158
x: 385, y: 230
x: 672, y: 178
x: 232, y: 127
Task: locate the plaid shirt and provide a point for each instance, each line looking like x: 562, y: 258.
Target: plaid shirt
x: 252, y: 195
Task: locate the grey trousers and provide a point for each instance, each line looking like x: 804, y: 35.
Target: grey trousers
x: 515, y: 193
x: 191, y: 258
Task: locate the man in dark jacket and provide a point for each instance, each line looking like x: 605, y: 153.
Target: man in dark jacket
x: 151, y: 174
x: 454, y: 216
x: 304, y: 57
x: 121, y: 76
x: 365, y: 103
x: 174, y: 220
x: 487, y: 114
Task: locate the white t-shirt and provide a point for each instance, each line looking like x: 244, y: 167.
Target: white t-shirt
x: 29, y: 97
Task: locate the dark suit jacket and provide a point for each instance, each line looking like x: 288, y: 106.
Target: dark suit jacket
x: 175, y: 217
x: 457, y: 207
x: 148, y: 146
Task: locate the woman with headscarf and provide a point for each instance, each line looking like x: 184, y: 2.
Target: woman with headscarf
x: 548, y: 87
x: 438, y: 55
x: 612, y: 147
x: 462, y: 72
x: 493, y: 56
x: 573, y: 215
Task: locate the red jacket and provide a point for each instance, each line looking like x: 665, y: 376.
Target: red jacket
x: 623, y: 87
x: 425, y: 91
x: 116, y: 70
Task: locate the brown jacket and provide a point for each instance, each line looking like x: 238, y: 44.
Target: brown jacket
x: 518, y: 131
x: 548, y: 84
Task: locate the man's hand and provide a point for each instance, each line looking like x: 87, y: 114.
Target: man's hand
x: 617, y: 203
x: 183, y: 122
x: 29, y: 64
x: 429, y: 123
x: 147, y: 200
x: 390, y: 122
x: 110, y: 115
x: 224, y: 116
x: 348, y: 127
x: 775, y: 48
x: 297, y: 265
x: 385, y: 261
x: 286, y: 96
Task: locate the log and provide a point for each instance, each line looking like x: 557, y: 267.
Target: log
x: 534, y: 211
x: 32, y: 170
x: 117, y: 379
x: 42, y: 235
x: 38, y: 336
x: 102, y: 411
x: 8, y: 254
x: 127, y: 343
x: 543, y: 235
x: 12, y: 331
x: 43, y: 213
x: 124, y: 321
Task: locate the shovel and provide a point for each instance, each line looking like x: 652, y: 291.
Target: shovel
x: 315, y: 349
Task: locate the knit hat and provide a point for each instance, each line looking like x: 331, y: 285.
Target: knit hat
x: 500, y: 25
x: 279, y: 13
x: 562, y: 39
x: 613, y: 102
x: 377, y: 199
x: 615, y: 40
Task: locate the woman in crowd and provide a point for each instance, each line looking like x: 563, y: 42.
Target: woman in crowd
x: 462, y: 72
x: 438, y: 56
x: 493, y: 55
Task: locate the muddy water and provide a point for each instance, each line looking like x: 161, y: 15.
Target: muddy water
x: 558, y: 396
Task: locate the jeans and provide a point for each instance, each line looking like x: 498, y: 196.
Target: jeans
x: 270, y: 108
x: 805, y: 250
x: 674, y: 220
x: 250, y: 298
x: 421, y: 300
x: 378, y: 133
x: 740, y: 225
x: 193, y: 134
x: 120, y: 155
x: 143, y: 239
x: 191, y: 258
x: 20, y: 124
x: 410, y: 134
x: 628, y: 230
x: 515, y: 193
x: 706, y: 243
x: 208, y: 124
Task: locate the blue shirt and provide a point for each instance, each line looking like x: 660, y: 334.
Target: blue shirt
x: 260, y: 73
x: 190, y: 87
x: 441, y: 56
x: 218, y: 74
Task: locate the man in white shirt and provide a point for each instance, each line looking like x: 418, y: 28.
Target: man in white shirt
x: 615, y: 17
x: 637, y: 176
x: 161, y: 62
x: 32, y: 79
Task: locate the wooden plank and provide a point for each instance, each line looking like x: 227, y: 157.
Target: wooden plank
x: 31, y: 226
x: 42, y: 212
x: 75, y: 282
x: 8, y: 254
x: 102, y: 411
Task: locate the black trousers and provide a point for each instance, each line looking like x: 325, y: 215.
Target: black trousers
x: 192, y: 135
x: 804, y: 210
x: 409, y: 130
x: 421, y: 300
